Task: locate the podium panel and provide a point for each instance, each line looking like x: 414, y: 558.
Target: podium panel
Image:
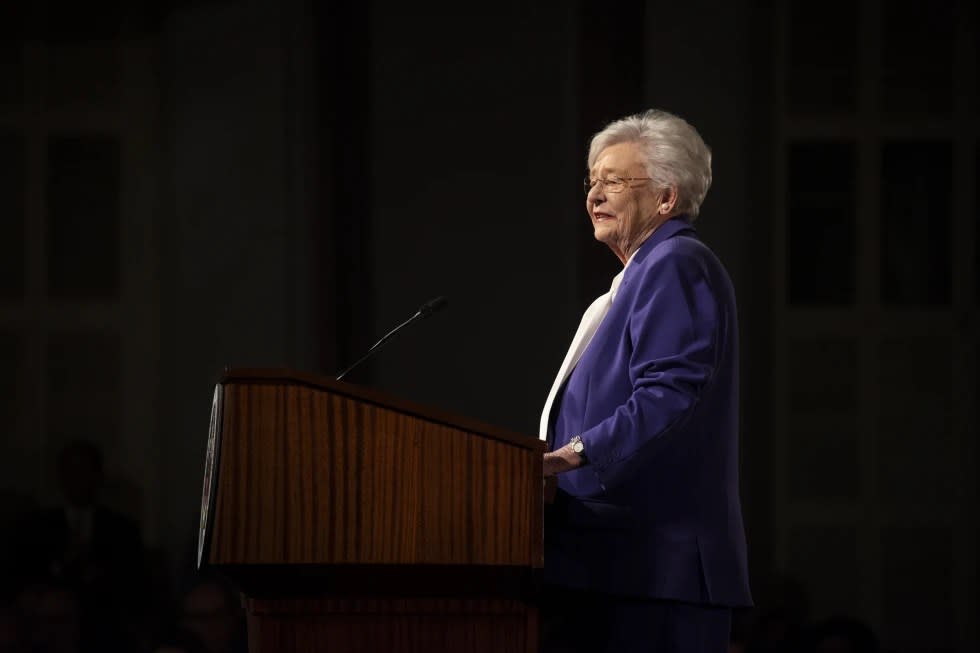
x: 363, y: 522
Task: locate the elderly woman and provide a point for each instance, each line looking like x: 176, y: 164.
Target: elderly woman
x: 644, y: 543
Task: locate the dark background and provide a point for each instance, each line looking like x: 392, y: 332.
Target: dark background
x: 193, y: 184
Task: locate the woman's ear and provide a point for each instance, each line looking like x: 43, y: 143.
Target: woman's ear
x: 668, y: 200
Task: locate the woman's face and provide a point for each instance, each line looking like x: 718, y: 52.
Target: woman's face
x: 622, y: 220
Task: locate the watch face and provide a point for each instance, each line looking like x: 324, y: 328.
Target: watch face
x: 210, y: 462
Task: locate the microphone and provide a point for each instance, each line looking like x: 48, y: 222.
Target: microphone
x: 425, y: 310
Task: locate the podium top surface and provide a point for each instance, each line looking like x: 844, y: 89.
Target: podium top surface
x: 283, y: 376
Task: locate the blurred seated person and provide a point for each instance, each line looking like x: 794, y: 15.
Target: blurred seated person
x: 79, y: 541
x: 211, y: 611
x: 84, y: 545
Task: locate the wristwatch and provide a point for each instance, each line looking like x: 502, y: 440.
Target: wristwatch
x: 578, y: 447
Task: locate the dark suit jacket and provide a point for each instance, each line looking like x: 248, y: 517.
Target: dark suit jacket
x: 656, y: 511
x: 112, y: 562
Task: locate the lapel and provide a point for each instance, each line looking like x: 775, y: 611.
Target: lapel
x: 594, y: 314
x: 583, y: 336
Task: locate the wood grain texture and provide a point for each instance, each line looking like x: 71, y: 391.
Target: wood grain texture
x: 313, y: 473
x: 366, y: 395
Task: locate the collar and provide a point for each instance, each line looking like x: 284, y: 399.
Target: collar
x: 676, y: 225
x: 679, y: 224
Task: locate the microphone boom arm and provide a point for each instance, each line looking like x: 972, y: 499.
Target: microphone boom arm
x: 424, y: 311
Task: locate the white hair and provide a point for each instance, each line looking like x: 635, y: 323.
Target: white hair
x: 675, y: 154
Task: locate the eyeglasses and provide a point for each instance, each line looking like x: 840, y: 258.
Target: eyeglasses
x: 612, y: 184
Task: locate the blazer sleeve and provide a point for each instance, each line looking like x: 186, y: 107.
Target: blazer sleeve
x: 672, y: 331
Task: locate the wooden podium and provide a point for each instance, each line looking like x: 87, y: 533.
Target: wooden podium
x: 353, y: 521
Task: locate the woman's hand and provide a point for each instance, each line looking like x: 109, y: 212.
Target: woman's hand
x: 561, y: 460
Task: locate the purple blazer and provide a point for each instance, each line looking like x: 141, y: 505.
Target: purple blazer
x: 656, y: 511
